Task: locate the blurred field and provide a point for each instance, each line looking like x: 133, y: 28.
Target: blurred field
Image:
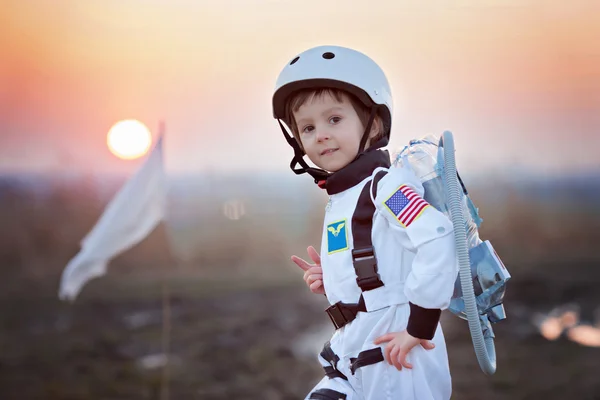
x: 238, y: 305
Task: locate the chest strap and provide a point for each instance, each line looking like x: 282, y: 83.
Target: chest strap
x: 363, y: 253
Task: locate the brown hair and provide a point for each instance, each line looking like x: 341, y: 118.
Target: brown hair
x: 301, y: 97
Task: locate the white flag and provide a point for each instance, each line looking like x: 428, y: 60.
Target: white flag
x: 131, y: 215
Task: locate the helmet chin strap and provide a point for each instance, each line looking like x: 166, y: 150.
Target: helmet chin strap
x: 367, y: 133
x: 319, y: 175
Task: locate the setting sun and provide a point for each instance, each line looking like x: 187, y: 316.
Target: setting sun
x: 129, y: 139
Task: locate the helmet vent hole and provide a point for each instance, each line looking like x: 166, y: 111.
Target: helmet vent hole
x: 294, y: 60
x: 328, y: 55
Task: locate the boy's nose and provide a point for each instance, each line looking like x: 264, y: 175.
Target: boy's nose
x: 322, y: 134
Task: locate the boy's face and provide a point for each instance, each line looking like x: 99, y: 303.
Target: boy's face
x: 330, y: 131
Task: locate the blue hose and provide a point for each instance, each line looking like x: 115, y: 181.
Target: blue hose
x: 484, y: 347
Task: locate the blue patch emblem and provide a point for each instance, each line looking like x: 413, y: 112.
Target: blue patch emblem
x: 337, y: 237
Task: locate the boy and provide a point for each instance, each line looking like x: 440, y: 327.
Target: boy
x: 388, y: 262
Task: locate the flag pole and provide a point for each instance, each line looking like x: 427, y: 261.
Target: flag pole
x: 166, y: 338
x: 166, y: 316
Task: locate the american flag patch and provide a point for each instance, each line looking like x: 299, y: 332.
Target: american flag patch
x: 406, y: 205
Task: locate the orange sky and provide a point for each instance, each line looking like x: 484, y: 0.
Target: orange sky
x: 516, y: 81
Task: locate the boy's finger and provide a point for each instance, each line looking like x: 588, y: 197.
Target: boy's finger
x: 387, y: 353
x: 308, y: 274
x: 403, y: 360
x: 316, y: 284
x: 314, y: 255
x: 313, y: 278
x: 384, y: 338
x: 394, y: 357
x: 315, y: 270
x: 427, y: 345
x: 301, y: 263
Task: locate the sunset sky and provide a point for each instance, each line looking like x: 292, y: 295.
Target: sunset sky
x: 518, y: 82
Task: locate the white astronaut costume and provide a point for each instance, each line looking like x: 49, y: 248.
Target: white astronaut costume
x: 388, y: 258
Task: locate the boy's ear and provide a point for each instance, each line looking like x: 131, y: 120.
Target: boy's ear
x: 376, y: 127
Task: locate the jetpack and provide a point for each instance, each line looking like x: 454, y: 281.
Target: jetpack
x: 480, y: 287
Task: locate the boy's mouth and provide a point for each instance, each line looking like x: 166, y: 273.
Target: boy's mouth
x: 328, y: 151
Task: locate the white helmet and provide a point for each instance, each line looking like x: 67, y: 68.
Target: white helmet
x: 335, y: 67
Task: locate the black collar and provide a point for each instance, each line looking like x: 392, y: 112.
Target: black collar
x: 355, y: 172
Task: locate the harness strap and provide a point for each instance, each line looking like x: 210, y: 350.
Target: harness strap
x: 367, y: 357
x: 327, y: 394
x: 328, y: 355
x: 363, y: 253
x: 332, y: 373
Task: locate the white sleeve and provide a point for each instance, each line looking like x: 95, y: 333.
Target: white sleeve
x: 430, y: 283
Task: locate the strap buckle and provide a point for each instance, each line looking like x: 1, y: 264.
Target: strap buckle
x: 342, y: 314
x: 337, y: 315
x: 365, y: 265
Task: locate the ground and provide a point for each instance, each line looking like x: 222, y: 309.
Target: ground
x: 240, y: 341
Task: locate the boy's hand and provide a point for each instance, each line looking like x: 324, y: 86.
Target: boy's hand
x: 400, y: 343
x: 313, y: 274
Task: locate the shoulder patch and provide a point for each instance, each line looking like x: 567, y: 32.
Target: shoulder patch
x: 337, y: 237
x: 406, y: 205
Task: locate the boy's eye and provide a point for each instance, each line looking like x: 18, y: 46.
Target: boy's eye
x: 334, y: 120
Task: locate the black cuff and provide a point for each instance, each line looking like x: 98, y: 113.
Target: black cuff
x: 423, y: 322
